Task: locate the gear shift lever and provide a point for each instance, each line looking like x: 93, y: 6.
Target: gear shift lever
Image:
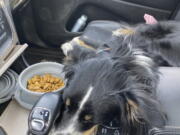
x: 44, y: 113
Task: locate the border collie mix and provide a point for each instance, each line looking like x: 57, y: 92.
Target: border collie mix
x: 118, y: 80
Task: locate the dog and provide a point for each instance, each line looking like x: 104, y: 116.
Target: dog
x: 118, y: 80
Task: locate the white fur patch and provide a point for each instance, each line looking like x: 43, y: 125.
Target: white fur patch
x: 76, y: 40
x: 67, y: 47
x: 116, y: 33
x: 142, y: 60
x: 85, y: 99
x: 71, y: 129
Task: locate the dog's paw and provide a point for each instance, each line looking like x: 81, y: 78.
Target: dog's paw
x: 67, y: 47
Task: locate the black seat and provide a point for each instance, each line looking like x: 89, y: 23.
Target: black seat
x: 98, y: 32
x: 169, y: 95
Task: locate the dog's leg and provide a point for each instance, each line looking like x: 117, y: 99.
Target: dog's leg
x: 76, y: 51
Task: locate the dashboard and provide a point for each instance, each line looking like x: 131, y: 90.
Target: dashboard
x: 9, y: 48
x: 5, y: 30
x: 8, y: 37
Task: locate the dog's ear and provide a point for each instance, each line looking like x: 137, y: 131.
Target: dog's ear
x: 155, y: 31
x: 143, y: 109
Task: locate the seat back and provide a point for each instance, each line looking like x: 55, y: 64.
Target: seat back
x: 169, y: 94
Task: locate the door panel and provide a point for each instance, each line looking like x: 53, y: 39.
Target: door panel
x: 54, y: 19
x: 160, y: 4
x: 131, y: 11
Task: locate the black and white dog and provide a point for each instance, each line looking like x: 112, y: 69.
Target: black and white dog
x: 118, y: 80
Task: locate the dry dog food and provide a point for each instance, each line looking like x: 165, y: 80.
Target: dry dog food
x: 44, y: 83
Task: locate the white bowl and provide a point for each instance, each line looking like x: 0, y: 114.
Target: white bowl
x: 29, y: 97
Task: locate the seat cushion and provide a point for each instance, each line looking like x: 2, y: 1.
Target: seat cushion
x: 98, y: 33
x: 169, y: 94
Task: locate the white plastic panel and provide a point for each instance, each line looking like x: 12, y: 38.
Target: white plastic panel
x: 13, y: 55
x: 9, y: 51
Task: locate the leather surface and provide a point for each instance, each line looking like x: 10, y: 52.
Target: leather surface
x: 169, y: 94
x: 99, y: 32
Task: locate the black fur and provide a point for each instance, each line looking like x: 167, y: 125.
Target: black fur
x: 124, y: 80
x: 162, y: 40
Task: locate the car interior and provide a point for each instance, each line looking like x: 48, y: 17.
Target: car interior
x: 32, y: 31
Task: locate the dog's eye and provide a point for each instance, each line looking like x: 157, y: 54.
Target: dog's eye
x: 68, y: 102
x: 88, y: 117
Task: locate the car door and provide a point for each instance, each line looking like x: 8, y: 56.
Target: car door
x: 49, y: 22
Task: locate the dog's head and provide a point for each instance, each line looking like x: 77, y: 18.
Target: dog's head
x: 100, y: 90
